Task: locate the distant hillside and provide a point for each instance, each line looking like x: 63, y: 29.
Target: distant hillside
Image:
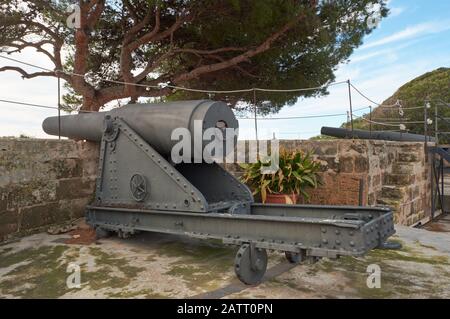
x: 434, y: 86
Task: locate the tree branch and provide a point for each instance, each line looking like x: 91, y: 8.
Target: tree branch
x: 209, y: 52
x: 95, y: 15
x: 140, y: 25
x: 37, y: 45
x: 25, y: 74
x: 155, y: 36
x: 151, y: 66
x: 240, y: 58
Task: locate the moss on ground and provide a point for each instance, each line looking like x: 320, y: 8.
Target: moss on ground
x: 43, y: 276
x: 278, y: 282
x: 200, y: 265
x: 146, y: 293
x: 105, y: 276
x: 395, y: 281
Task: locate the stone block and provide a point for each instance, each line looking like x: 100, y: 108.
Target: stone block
x: 393, y: 192
x: 376, y: 181
x: 408, y: 157
x: 74, y: 188
x: 9, y: 217
x: 42, y: 215
x: 349, y: 183
x: 399, y: 179
x: 346, y: 164
x: 402, y: 168
x: 30, y: 193
x: 73, y: 209
x: 361, y: 164
x: 66, y: 168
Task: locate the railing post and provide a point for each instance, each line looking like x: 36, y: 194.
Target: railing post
x: 351, y: 106
x: 425, y: 129
x: 436, y: 126
x: 442, y: 186
x: 59, y: 107
x: 433, y: 200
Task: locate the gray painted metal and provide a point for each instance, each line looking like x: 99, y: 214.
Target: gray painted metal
x: 374, y: 135
x: 250, y: 264
x: 138, y: 189
x: 317, y: 236
x: 126, y: 158
x: 153, y: 122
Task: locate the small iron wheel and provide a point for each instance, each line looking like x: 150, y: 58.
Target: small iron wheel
x: 250, y: 264
x: 294, y: 258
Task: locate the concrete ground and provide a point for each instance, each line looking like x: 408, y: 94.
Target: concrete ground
x: 152, y: 265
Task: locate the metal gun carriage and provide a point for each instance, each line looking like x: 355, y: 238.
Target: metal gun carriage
x: 139, y: 188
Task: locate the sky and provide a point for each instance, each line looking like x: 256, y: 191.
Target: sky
x: 413, y: 40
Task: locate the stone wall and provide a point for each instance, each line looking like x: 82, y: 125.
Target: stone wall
x: 43, y: 182
x: 393, y: 174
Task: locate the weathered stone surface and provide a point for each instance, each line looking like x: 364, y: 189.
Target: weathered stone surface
x: 44, y: 182
x: 67, y: 168
x: 402, y: 168
x: 378, y: 164
x: 408, y: 157
x: 361, y: 164
x: 393, y: 192
x: 73, y: 188
x: 50, y: 181
x: 346, y: 164
x: 399, y: 179
x: 8, y: 223
x: 39, y: 215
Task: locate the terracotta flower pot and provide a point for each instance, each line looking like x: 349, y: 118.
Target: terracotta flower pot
x: 290, y: 199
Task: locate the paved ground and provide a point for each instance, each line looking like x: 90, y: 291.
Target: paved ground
x: 163, y: 266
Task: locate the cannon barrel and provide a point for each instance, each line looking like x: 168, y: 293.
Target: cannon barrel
x: 374, y: 135
x: 154, y: 122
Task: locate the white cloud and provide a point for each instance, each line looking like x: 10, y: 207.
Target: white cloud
x: 411, y: 33
x: 395, y: 11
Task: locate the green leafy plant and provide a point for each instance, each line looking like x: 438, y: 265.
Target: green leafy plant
x: 297, y: 172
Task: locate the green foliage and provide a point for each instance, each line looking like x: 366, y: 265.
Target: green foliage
x: 297, y: 172
x: 305, y: 56
x: 433, y: 87
x: 322, y: 138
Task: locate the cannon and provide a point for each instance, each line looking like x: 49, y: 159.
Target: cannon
x: 375, y: 135
x: 140, y: 188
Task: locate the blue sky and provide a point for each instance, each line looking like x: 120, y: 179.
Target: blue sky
x: 414, y: 39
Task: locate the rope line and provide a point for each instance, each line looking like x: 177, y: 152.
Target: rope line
x: 369, y: 99
x: 40, y: 106
x: 379, y: 123
x: 164, y: 85
x: 239, y: 118
x: 29, y: 104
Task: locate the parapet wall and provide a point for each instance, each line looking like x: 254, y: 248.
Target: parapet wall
x: 393, y: 174
x: 44, y: 182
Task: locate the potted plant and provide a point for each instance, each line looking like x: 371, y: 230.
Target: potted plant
x: 297, y: 172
